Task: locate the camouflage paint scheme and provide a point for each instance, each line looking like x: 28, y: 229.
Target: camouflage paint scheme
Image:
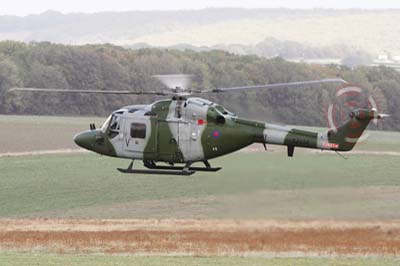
x: 183, y: 130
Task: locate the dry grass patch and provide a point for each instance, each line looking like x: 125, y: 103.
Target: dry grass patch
x: 197, y: 237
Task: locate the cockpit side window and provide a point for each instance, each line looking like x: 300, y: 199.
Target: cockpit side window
x: 223, y: 111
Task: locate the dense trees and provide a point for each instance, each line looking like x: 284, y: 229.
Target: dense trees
x: 114, y: 68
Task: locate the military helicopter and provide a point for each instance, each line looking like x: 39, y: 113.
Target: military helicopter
x: 183, y: 130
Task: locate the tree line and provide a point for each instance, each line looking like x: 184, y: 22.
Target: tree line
x: 108, y: 67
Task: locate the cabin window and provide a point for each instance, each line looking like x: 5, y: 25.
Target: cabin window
x: 138, y: 131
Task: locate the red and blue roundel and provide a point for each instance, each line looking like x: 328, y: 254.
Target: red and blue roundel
x: 216, y: 134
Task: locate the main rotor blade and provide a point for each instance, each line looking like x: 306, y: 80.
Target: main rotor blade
x: 279, y: 85
x: 88, y: 91
x: 162, y: 93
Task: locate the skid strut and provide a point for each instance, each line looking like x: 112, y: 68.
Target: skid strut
x: 131, y: 170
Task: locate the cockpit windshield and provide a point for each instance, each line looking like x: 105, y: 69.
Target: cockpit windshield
x: 105, y: 125
x: 112, y: 125
x: 115, y: 123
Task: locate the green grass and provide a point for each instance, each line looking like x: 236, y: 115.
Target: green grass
x: 251, y: 185
x: 381, y: 141
x: 52, y: 185
x: 35, y: 133
x: 75, y: 260
x: 87, y: 185
x: 50, y: 120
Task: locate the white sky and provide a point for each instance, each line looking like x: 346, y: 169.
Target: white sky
x: 25, y: 7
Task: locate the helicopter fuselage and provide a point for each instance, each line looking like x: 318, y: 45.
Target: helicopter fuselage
x: 189, y: 130
x: 181, y: 130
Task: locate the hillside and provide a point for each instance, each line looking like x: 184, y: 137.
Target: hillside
x: 115, y: 68
x: 369, y: 31
x: 289, y: 50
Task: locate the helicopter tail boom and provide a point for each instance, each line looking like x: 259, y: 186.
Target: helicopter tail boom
x: 343, y: 138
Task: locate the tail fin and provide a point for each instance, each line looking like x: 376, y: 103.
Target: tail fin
x: 345, y: 137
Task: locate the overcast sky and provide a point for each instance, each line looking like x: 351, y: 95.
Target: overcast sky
x: 25, y: 7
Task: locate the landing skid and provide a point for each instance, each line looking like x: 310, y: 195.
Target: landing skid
x: 168, y: 170
x: 195, y: 169
x: 155, y: 172
x: 207, y: 168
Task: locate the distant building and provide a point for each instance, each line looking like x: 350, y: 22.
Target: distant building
x: 387, y: 60
x: 319, y: 61
x: 383, y: 57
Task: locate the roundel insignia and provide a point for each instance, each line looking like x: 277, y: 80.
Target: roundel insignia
x: 216, y: 134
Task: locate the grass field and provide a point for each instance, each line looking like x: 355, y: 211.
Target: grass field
x: 89, y: 260
x: 308, y: 186
x: 36, y: 133
x: 255, y: 238
x: 252, y: 185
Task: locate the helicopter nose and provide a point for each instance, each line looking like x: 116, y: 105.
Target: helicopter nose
x: 85, y: 139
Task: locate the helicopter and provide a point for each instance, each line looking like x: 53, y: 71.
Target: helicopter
x: 183, y: 129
